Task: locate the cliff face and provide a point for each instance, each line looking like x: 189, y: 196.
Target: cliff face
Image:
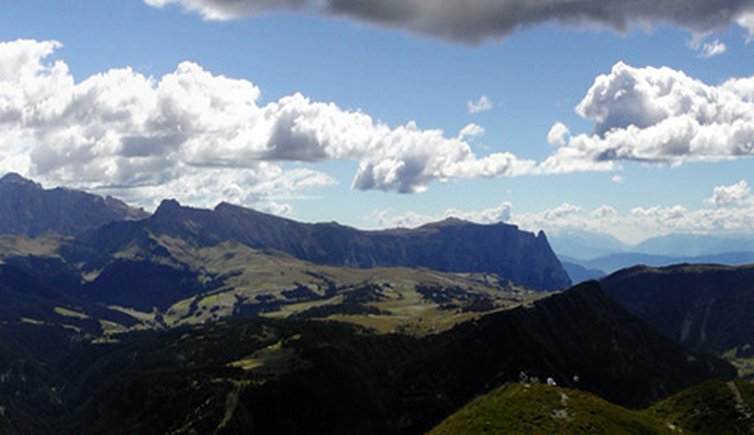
x: 28, y: 209
x: 449, y: 246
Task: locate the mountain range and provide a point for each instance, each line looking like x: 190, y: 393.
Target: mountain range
x: 586, y: 255
x: 228, y: 320
x: 583, y: 245
x: 600, y: 266
x: 106, y: 226
x: 521, y: 257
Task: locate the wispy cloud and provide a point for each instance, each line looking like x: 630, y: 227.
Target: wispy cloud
x: 707, y: 49
x: 712, y: 49
x: 482, y: 104
x: 558, y: 134
x: 746, y: 21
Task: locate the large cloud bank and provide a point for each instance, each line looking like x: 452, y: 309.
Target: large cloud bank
x: 202, y: 137
x: 475, y: 21
x: 195, y: 132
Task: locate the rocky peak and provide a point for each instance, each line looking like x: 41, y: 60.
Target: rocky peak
x: 28, y: 209
x: 14, y: 179
x: 167, y: 207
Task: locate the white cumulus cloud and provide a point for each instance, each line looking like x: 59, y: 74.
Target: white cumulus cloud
x: 122, y: 130
x: 557, y: 134
x: 734, y: 194
x: 471, y: 130
x: 659, y: 115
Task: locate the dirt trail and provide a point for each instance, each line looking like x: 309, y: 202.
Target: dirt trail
x: 741, y: 406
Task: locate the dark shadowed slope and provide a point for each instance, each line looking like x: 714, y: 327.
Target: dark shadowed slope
x: 704, y: 307
x: 265, y: 376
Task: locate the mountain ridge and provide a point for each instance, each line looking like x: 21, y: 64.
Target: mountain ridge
x: 103, y: 226
x: 26, y: 208
x: 521, y: 257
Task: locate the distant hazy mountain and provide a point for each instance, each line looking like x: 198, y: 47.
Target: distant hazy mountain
x: 690, y: 245
x: 27, y: 208
x: 449, y: 246
x: 614, y: 262
x: 578, y: 273
x: 704, y: 307
x: 585, y: 244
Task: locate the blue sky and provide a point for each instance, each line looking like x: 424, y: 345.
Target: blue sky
x: 686, y: 169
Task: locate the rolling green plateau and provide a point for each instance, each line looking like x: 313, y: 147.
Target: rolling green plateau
x: 164, y: 282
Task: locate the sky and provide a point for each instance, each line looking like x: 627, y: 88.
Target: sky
x: 629, y: 118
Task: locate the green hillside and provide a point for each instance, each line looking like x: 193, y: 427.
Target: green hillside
x: 543, y: 409
x: 713, y: 407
